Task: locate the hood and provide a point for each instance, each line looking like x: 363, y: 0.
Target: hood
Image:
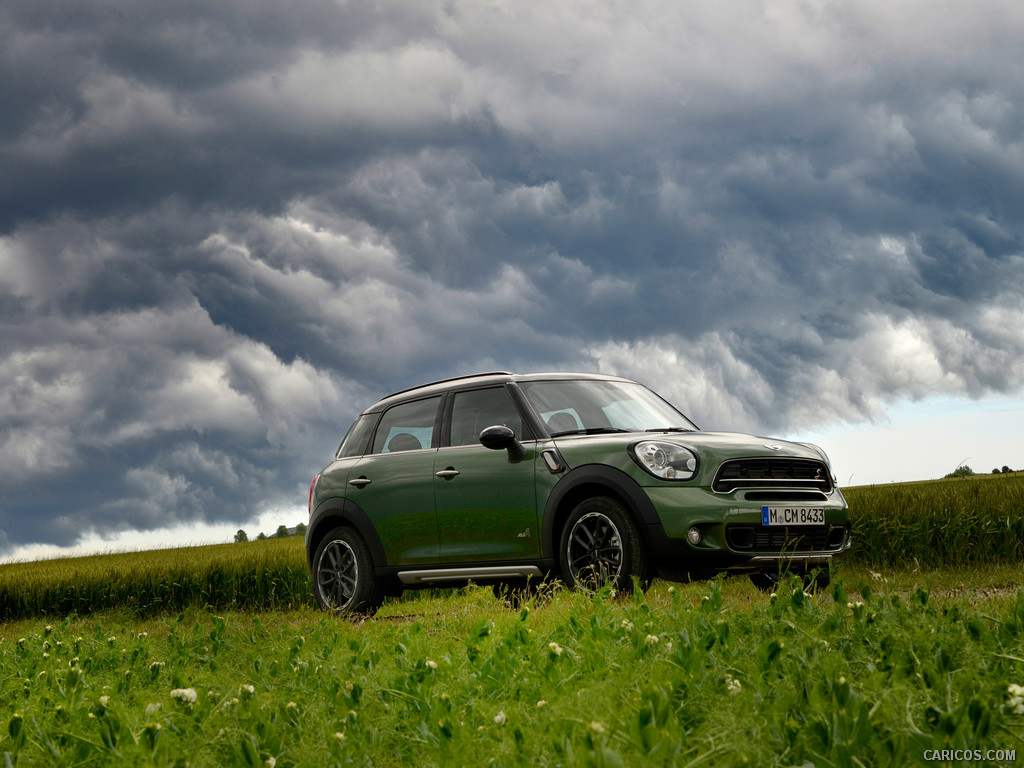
x: 712, y: 448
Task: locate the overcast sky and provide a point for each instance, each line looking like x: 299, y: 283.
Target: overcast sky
x: 225, y: 228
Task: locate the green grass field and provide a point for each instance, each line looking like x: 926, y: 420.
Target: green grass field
x: 216, y: 656
x: 713, y: 673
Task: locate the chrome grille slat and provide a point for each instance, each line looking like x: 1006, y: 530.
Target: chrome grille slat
x: 772, y: 472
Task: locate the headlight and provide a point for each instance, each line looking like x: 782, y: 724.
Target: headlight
x: 667, y: 461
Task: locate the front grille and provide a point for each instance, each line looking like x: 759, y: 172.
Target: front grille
x: 771, y: 473
x: 759, y: 538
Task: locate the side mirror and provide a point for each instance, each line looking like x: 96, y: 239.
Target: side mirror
x: 500, y: 437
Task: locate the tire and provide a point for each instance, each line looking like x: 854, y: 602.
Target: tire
x: 343, y: 577
x: 600, y: 545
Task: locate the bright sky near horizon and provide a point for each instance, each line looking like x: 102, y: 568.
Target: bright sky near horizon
x: 225, y: 230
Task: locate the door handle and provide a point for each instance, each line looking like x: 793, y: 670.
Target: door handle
x: 449, y: 473
x: 359, y: 482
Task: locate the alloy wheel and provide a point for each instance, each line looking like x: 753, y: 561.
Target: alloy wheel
x: 594, y: 551
x: 337, y: 574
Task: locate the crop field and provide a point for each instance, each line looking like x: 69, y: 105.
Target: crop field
x: 251, y: 575
x: 216, y: 656
x: 943, y: 523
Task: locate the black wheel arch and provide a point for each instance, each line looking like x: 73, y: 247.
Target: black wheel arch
x: 591, y: 480
x: 331, y: 513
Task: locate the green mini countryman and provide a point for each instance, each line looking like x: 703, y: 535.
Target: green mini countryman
x: 501, y: 478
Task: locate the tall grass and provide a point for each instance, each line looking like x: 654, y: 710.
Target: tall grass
x: 945, y: 523
x: 252, y: 575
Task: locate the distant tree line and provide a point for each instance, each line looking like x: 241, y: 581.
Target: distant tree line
x: 965, y: 471
x: 281, y: 533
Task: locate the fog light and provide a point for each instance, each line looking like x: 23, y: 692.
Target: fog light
x: 693, y: 536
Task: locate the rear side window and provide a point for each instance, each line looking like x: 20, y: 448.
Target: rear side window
x: 358, y: 436
x: 407, y: 427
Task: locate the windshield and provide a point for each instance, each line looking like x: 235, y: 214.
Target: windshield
x: 588, y: 407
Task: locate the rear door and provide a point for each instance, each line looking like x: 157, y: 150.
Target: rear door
x: 486, y: 506
x: 393, y: 484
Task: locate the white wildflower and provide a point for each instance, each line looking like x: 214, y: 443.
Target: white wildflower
x: 500, y: 718
x: 542, y: 703
x: 652, y: 640
x: 1015, y: 702
x: 555, y: 648
x: 431, y: 664
x: 733, y: 685
x: 185, y: 695
x: 152, y: 709
x: 596, y: 727
x: 105, y: 701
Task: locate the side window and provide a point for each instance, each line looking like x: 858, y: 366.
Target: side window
x: 473, y: 411
x: 358, y: 436
x: 406, y: 427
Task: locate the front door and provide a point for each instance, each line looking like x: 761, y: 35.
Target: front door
x: 486, y: 506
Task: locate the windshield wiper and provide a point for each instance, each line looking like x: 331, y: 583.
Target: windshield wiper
x: 668, y: 429
x: 589, y: 431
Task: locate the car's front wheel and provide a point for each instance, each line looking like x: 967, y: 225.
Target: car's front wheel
x: 343, y: 577
x: 601, y: 545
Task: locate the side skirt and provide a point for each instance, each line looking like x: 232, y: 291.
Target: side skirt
x: 433, y: 575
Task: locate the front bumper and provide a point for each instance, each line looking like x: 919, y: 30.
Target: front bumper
x: 733, y: 538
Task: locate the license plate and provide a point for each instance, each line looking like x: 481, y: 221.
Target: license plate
x: 792, y: 515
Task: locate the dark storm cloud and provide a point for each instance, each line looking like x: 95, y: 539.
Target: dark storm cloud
x: 225, y: 228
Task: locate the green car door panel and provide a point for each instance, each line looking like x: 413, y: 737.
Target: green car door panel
x: 395, y: 491
x: 486, y: 506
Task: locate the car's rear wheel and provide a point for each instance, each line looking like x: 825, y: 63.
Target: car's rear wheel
x: 600, y: 546
x: 343, y: 577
